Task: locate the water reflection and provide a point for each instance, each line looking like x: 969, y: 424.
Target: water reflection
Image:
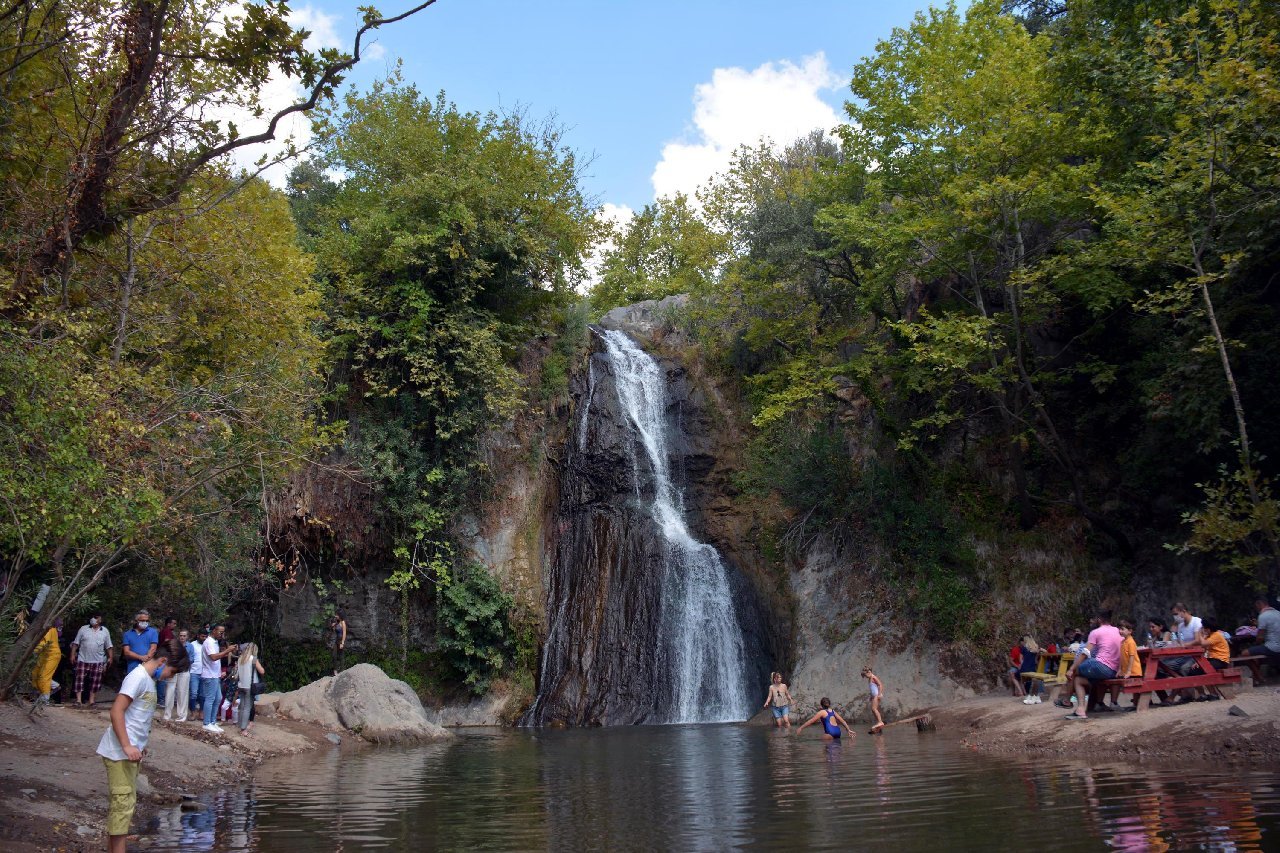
x: 719, y: 787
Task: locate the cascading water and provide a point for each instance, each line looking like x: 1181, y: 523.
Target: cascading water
x: 701, y: 642
x: 644, y: 622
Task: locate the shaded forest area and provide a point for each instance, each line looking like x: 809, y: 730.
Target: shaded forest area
x: 1038, y: 266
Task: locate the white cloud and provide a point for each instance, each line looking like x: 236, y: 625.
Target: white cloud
x: 617, y: 215
x: 779, y: 101
x: 278, y: 93
x: 373, y: 51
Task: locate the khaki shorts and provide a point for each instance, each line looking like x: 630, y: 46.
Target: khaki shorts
x: 122, y: 785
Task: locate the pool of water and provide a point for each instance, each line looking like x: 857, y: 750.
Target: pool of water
x: 717, y: 787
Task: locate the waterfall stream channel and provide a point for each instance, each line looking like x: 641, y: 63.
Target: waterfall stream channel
x: 647, y: 623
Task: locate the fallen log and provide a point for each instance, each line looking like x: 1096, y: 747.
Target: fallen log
x: 924, y: 723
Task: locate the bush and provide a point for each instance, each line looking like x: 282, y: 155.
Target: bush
x: 474, y: 631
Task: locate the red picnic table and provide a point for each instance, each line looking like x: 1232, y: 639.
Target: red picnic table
x: 1153, y: 660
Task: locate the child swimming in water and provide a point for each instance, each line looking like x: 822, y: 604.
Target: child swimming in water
x: 829, y: 719
x: 877, y: 690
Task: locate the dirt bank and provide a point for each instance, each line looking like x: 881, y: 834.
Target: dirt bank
x: 1201, y: 730
x: 53, y: 789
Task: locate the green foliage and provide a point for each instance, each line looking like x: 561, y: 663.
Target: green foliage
x: 474, y: 633
x: 452, y: 238
x: 665, y: 249
x: 567, y: 349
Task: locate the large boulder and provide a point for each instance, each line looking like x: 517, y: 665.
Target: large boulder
x: 366, y: 701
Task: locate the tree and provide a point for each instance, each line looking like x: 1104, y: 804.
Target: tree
x: 1200, y: 208
x: 116, y: 108
x: 445, y: 249
x: 664, y: 249
x: 155, y: 416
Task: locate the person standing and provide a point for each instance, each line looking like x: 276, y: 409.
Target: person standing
x: 176, y: 697
x: 125, y: 742
x: 876, y: 688
x: 47, y: 654
x: 168, y: 633
x: 338, y: 626
x: 249, y: 672
x: 211, y: 677
x: 91, y: 654
x: 780, y: 698
x: 196, y: 651
x: 139, y: 642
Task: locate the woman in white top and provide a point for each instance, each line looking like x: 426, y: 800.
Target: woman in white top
x: 248, y: 670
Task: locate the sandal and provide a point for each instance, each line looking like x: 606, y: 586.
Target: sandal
x: 1059, y: 703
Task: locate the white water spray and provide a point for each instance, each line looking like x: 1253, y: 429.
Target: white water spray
x: 701, y: 637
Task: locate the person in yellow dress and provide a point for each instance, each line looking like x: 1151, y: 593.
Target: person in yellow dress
x: 48, y: 656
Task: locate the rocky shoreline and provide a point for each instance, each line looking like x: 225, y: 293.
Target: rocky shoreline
x: 1200, y: 731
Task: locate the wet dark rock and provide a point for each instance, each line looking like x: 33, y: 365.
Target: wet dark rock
x: 604, y: 585
x: 1236, y: 711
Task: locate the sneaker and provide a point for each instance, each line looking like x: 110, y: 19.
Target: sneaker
x: 211, y: 727
x: 1030, y: 700
x: 1036, y: 700
x: 1074, y: 700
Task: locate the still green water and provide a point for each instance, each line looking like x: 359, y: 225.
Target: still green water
x: 721, y: 787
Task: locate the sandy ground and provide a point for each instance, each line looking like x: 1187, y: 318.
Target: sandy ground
x: 53, y: 787
x: 1199, y: 731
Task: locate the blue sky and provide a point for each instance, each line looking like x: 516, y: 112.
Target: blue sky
x: 656, y: 90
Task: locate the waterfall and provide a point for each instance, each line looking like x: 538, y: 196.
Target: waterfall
x: 701, y: 645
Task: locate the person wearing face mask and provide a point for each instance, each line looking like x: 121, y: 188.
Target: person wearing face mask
x: 139, y: 642
x: 91, y: 654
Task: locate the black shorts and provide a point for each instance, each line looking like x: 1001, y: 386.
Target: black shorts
x: 1219, y: 664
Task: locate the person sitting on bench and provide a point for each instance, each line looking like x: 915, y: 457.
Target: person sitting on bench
x: 1268, y: 641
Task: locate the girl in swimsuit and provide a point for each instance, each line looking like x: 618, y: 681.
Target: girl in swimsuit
x: 829, y: 719
x: 877, y: 690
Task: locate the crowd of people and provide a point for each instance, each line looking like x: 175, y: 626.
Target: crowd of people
x: 1111, y: 652
x: 206, y: 677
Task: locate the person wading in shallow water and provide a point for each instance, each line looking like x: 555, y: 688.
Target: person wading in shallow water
x: 829, y: 719
x: 877, y: 690
x: 338, y: 626
x: 780, y: 698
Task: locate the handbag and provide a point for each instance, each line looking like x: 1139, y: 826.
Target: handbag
x: 258, y: 687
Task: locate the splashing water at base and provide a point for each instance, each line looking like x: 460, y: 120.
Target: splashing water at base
x: 702, y: 639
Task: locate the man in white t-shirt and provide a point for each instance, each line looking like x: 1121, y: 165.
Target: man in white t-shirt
x: 125, y: 742
x: 211, y: 677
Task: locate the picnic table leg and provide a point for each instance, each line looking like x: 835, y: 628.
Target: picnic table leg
x: 1144, y: 701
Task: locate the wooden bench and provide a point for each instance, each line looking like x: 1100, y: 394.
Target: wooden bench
x: 1254, y: 663
x: 1049, y: 678
x: 1148, y: 683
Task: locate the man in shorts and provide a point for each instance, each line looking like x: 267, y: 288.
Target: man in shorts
x: 1102, y: 650
x: 125, y: 742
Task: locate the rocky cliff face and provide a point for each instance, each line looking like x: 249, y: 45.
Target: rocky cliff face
x: 603, y: 660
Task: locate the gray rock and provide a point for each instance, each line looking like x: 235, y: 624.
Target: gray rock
x: 144, y: 786
x: 646, y: 318
x: 86, y: 830
x: 366, y: 701
x: 379, y: 708
x: 310, y: 704
x: 1236, y: 711
x: 332, y: 738
x: 28, y: 792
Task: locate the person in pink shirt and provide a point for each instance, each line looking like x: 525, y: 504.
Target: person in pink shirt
x: 1102, y: 651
